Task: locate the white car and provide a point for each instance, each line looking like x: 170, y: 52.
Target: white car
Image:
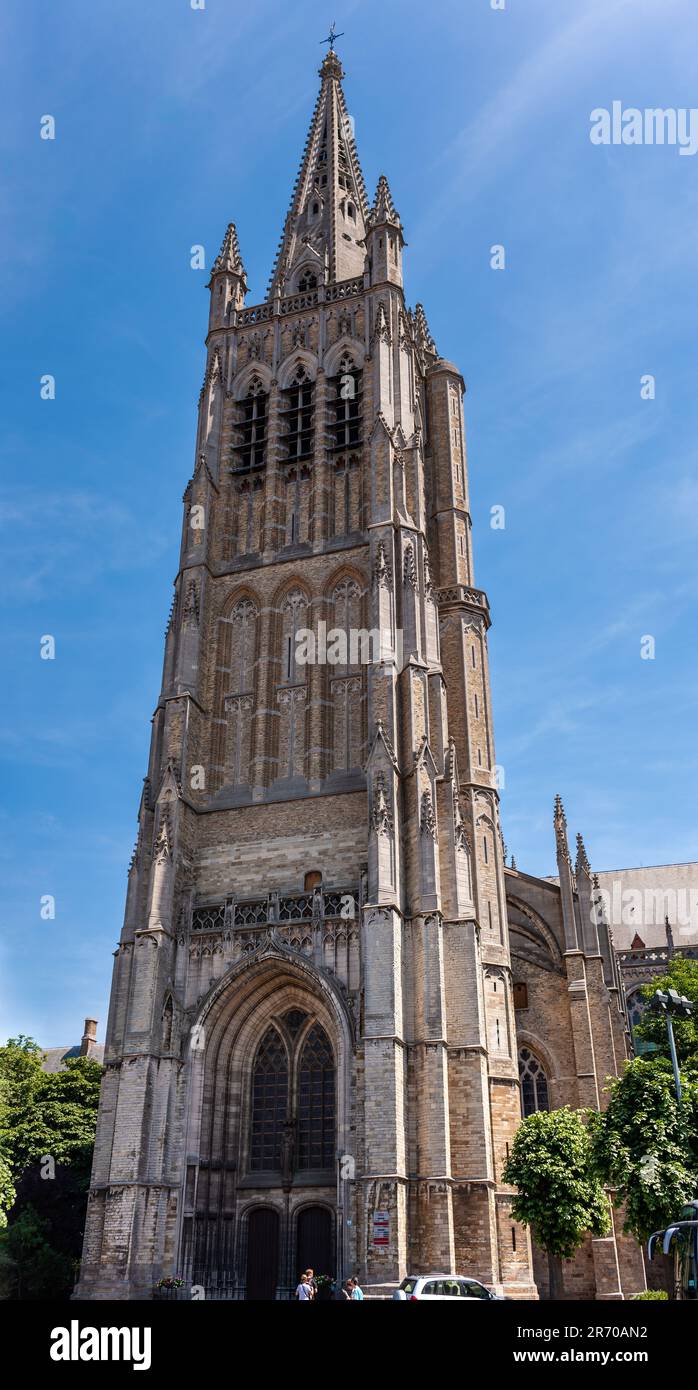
x: 444, y: 1286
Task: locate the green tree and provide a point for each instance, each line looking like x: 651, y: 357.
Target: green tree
x: 45, y: 1112
x: 7, y: 1190
x: 645, y: 1145
x: 30, y: 1266
x: 43, y: 1115
x: 558, y: 1192
x: 681, y: 975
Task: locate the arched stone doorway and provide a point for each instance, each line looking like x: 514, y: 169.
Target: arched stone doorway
x: 269, y: 1114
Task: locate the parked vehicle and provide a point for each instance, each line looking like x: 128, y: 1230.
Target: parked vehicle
x: 445, y: 1287
x: 681, y: 1240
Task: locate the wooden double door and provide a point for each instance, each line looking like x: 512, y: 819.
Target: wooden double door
x: 311, y: 1247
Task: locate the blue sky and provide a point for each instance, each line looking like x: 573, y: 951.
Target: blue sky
x: 170, y: 122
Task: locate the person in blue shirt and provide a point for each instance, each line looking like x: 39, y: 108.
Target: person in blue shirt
x: 357, y: 1291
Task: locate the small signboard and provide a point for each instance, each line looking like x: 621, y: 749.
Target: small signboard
x: 381, y: 1228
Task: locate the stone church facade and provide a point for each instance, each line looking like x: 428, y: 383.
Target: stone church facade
x: 326, y: 976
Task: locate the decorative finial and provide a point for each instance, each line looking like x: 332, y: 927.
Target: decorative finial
x: 560, y: 825
x: 582, y: 858
x: 332, y: 36
x: 383, y: 209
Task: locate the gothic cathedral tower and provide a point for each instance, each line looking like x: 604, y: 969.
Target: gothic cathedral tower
x: 311, y: 1052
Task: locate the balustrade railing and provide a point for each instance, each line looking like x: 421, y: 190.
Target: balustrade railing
x: 294, y: 303
x: 275, y: 909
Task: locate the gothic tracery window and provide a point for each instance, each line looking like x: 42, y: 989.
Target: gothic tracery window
x: 293, y: 1089
x: 251, y: 429
x: 346, y: 406
x: 269, y: 1102
x: 534, y: 1083
x: 294, y: 616
x: 308, y: 281
x: 234, y: 697
x: 297, y: 416
x: 316, y: 1102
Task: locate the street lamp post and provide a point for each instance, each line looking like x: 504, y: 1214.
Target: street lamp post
x: 672, y: 1003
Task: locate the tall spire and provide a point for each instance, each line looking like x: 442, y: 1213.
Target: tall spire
x: 229, y: 257
x: 228, y: 282
x: 324, y: 232
x: 383, y: 209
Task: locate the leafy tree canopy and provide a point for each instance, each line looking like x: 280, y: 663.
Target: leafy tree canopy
x: 645, y: 1145
x: 558, y: 1193
x: 45, y: 1113
x: 42, y: 1206
x: 681, y: 975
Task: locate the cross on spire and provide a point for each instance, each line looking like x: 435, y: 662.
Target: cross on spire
x: 332, y: 36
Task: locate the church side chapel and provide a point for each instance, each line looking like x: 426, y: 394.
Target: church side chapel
x: 329, y: 996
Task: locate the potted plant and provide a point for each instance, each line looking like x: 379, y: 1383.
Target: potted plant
x: 325, y: 1286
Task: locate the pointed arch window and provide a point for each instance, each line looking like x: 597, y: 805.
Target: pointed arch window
x: 293, y: 1099
x: 293, y: 617
x: 636, y: 1006
x: 534, y: 1083
x: 241, y: 642
x: 316, y: 1102
x: 251, y: 426
x: 269, y: 1102
x: 346, y: 405
x: 297, y: 416
x: 308, y: 281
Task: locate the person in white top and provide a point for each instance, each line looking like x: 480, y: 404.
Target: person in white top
x: 303, y: 1292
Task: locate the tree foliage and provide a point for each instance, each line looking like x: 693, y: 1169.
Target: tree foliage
x: 42, y: 1112
x: 681, y: 975
x: 558, y: 1193
x: 43, y: 1116
x: 30, y: 1265
x: 7, y: 1190
x: 645, y: 1145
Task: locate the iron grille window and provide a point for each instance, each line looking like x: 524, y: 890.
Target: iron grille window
x: 297, y: 414
x: 251, y: 423
x: 347, y: 406
x: 316, y: 1102
x: 269, y: 1103
x: 534, y: 1083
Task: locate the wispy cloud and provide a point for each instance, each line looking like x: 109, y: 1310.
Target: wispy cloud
x: 61, y: 540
